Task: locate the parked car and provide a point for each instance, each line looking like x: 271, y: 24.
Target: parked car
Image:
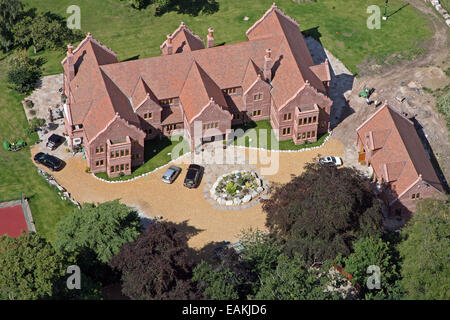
x: 51, y: 162
x: 171, y: 174
x: 54, y: 141
x: 331, y: 161
x: 193, y: 176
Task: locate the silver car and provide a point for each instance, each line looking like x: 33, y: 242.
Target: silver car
x: 171, y: 174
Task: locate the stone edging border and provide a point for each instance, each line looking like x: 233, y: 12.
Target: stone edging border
x: 184, y: 155
x: 142, y: 175
x: 300, y: 150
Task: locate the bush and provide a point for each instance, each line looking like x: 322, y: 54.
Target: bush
x: 231, y: 188
x: 29, y: 104
x: 35, y: 124
x: 33, y: 112
x: 23, y: 72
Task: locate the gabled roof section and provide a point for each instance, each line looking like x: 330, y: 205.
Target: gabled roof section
x: 140, y: 92
x: 322, y: 71
x: 251, y: 75
x: 103, y: 54
x: 199, y: 89
x: 401, y: 157
x: 183, y: 39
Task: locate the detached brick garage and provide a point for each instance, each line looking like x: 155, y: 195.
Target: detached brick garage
x: 113, y: 105
x: 389, y: 143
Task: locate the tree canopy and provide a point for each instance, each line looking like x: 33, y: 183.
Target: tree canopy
x: 30, y: 268
x: 10, y: 11
x: 373, y: 251
x: 426, y: 251
x: 321, y: 212
x: 102, y: 229
x: 23, y: 72
x: 155, y: 265
x: 43, y: 31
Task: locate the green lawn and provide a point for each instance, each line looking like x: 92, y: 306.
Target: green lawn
x: 339, y: 24
x: 157, y: 153
x: 265, y: 142
x: 17, y: 172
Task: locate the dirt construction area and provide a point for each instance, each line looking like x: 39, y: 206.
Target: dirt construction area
x: 405, y: 87
x: 178, y: 204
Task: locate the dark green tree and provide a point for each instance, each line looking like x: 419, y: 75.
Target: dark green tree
x: 321, y: 212
x: 101, y: 229
x: 155, y: 266
x: 374, y: 251
x: 23, y: 72
x: 216, y: 284
x: 30, y: 268
x: 10, y: 11
x: 43, y: 31
x: 292, y: 279
x: 426, y: 252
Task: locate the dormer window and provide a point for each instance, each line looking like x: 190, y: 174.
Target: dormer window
x: 166, y: 102
x: 230, y: 91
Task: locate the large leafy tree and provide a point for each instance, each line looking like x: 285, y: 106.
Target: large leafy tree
x: 23, y: 71
x: 292, y: 279
x: 43, y: 31
x: 10, y: 11
x: 30, y: 268
x: 321, y: 212
x: 101, y: 230
x: 156, y: 265
x: 373, y: 251
x: 426, y: 251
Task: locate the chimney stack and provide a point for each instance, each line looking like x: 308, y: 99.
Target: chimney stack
x: 169, y: 44
x: 268, y: 65
x: 70, y: 63
x: 210, y: 38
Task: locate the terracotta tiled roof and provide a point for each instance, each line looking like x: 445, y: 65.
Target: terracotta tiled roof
x: 166, y: 76
x: 322, y: 71
x: 251, y: 74
x: 183, y: 39
x: 140, y: 92
x: 197, y: 92
x: 171, y: 115
x: 401, y: 156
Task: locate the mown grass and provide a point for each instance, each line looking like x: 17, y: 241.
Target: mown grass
x: 17, y: 172
x: 259, y: 134
x: 157, y: 153
x: 339, y: 24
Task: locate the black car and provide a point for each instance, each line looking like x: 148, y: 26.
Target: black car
x: 51, y: 162
x: 54, y: 141
x: 193, y: 176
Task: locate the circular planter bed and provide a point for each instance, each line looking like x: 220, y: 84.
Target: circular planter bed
x: 237, y: 188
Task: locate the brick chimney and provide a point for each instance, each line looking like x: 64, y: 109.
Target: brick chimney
x: 70, y: 63
x: 210, y: 38
x: 169, y: 44
x: 268, y: 65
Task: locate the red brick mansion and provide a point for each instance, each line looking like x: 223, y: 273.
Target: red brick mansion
x: 113, y: 107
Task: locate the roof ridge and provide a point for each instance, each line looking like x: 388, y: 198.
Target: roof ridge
x: 181, y: 27
x: 273, y: 8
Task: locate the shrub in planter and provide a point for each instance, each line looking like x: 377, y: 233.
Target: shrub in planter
x: 87, y: 169
x: 231, y: 188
